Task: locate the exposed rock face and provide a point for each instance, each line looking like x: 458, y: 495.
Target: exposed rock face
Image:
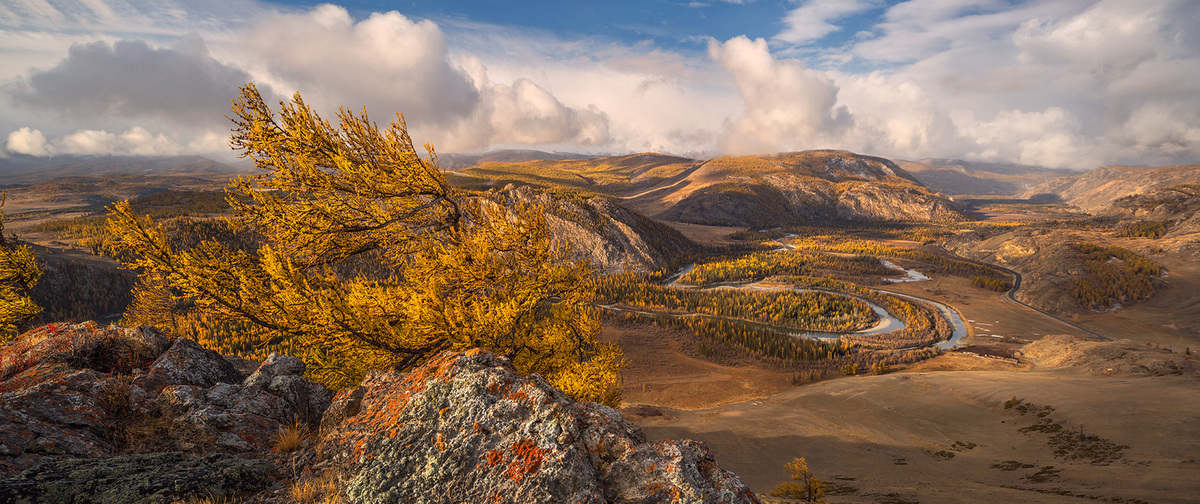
x: 74, y: 390
x: 466, y: 428
x: 614, y: 238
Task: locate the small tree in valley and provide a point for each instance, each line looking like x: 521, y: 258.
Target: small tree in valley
x: 803, y: 486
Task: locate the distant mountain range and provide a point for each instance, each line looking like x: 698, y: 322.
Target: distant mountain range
x: 27, y: 170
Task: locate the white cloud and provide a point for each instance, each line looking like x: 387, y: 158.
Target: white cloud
x: 136, y: 141
x: 27, y: 141
x: 787, y: 105
x: 1068, y: 83
x: 813, y: 20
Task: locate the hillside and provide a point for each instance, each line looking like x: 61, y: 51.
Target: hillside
x: 955, y: 176
x: 754, y: 191
x: 809, y: 186
x: 1098, y: 188
x: 614, y: 238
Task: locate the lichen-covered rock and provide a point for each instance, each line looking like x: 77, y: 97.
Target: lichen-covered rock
x: 466, y: 428
x: 245, y: 416
x: 157, y: 478
x: 84, y: 346
x: 76, y: 390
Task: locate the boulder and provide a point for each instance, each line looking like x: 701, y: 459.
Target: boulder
x: 81, y: 390
x: 465, y: 427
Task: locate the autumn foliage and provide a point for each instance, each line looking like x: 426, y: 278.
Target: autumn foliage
x: 362, y: 257
x: 18, y: 274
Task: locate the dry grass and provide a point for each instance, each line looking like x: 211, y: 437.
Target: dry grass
x: 291, y: 437
x: 116, y: 395
x: 323, y: 489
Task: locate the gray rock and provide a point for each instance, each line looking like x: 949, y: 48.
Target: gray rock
x: 158, y: 478
x: 466, y: 428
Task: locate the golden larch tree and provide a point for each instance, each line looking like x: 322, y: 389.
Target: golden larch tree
x: 368, y: 259
x: 18, y: 274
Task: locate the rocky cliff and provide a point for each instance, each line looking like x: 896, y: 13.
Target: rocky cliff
x: 90, y: 414
x: 614, y: 238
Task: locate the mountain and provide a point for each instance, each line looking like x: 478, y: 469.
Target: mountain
x: 955, y: 176
x: 747, y: 191
x: 798, y: 187
x: 614, y: 238
x: 459, y: 161
x: 26, y: 170
x: 1097, y: 189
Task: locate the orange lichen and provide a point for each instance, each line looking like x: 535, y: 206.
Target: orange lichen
x: 440, y: 442
x: 527, y: 459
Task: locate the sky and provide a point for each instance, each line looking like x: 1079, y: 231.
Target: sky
x: 1071, y: 84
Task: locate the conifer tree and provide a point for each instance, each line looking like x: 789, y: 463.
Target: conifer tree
x: 369, y: 259
x: 803, y: 485
x: 18, y: 274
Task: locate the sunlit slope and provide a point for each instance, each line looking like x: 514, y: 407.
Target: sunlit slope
x: 614, y: 176
x: 809, y: 186
x: 754, y: 191
x: 1098, y: 188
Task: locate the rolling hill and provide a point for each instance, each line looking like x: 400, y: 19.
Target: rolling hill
x: 1098, y: 188
x: 745, y: 191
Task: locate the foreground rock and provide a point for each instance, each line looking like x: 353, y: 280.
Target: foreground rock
x: 136, y: 479
x: 84, y: 391
x: 467, y: 428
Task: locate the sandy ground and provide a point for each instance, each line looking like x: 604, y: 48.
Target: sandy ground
x: 661, y: 372
x: 991, y: 319
x: 945, y: 437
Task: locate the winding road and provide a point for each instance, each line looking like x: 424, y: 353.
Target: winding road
x: 1010, y: 296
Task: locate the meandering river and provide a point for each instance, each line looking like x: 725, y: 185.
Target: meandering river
x: 887, y: 322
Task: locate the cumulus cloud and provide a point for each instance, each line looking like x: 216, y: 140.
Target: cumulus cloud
x: 129, y: 79
x: 386, y: 62
x: 525, y: 113
x: 27, y: 141
x: 136, y: 141
x: 787, y: 105
x: 390, y: 63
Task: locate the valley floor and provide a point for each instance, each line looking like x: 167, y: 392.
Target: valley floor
x: 933, y: 437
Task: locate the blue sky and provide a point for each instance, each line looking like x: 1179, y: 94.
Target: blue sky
x: 1058, y: 83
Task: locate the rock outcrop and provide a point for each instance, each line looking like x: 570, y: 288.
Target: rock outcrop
x: 86, y: 391
x: 92, y: 414
x: 466, y: 428
x: 613, y: 238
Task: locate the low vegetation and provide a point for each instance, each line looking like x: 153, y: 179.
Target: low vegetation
x: 1114, y: 275
x: 813, y: 311
x: 803, y: 486
x: 19, y: 272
